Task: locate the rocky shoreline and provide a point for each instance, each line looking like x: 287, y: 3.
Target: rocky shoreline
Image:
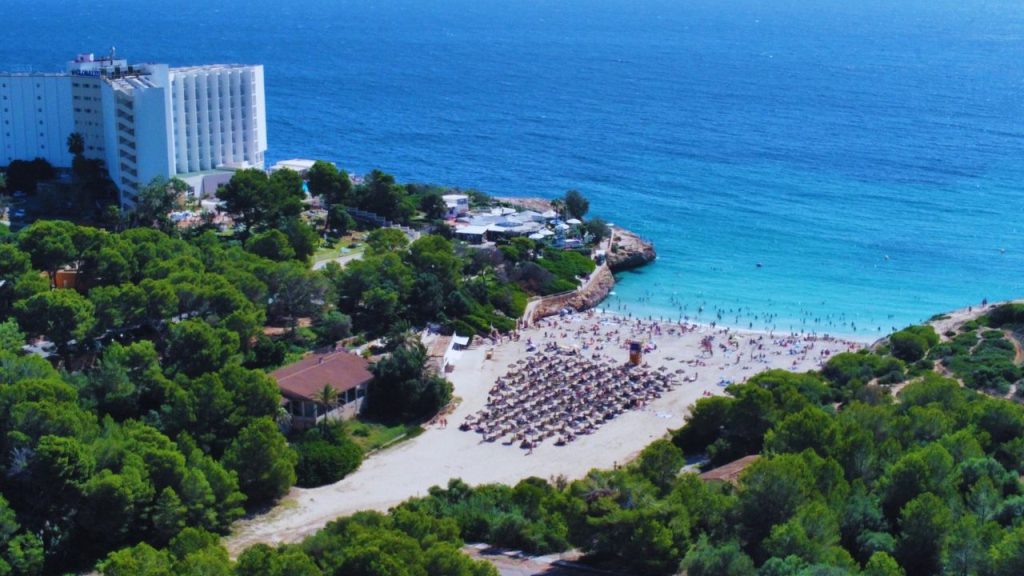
x: 626, y: 251
x: 588, y: 296
x: 629, y: 251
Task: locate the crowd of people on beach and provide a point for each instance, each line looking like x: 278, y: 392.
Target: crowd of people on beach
x: 576, y: 375
x: 559, y: 394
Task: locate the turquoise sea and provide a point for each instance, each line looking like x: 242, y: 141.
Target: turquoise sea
x: 869, y: 155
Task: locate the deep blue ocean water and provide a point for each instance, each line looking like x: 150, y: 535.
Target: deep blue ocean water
x: 869, y: 155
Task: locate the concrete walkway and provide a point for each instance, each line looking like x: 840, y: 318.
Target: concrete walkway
x: 341, y: 260
x: 515, y: 563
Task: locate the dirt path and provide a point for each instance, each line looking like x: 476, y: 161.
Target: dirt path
x: 1018, y: 356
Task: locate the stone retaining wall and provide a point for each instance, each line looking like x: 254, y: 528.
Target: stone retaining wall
x: 588, y: 296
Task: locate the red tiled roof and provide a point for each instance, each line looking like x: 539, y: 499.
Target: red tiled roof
x: 303, y: 379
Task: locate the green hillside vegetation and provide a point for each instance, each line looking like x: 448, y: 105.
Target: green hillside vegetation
x: 850, y: 481
x: 152, y: 424
x: 366, y: 544
x: 152, y: 410
x: 157, y: 417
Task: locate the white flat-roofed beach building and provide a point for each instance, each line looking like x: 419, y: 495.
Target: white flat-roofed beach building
x: 142, y: 120
x: 457, y: 204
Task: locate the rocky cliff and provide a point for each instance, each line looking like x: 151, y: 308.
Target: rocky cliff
x: 629, y: 251
x: 587, y: 297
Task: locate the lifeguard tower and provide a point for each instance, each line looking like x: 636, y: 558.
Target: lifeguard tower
x: 636, y: 352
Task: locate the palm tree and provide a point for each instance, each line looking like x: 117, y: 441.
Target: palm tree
x: 328, y: 397
x: 76, y: 144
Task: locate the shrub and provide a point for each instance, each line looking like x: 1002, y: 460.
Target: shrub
x: 510, y: 299
x: 1006, y: 314
x: 403, y: 388
x: 567, y: 265
x: 332, y: 327
x: 911, y: 344
x: 267, y: 352
x: 462, y: 328
x: 326, y: 456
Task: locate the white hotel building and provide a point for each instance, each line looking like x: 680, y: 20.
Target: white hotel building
x: 142, y: 120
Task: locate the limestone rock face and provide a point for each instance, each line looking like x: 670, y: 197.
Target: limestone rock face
x: 583, y: 299
x: 629, y: 251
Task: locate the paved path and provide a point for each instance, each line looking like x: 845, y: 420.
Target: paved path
x: 341, y: 260
x: 514, y: 563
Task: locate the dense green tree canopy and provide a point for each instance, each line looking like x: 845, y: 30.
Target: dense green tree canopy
x: 576, y: 205
x: 63, y: 315
x: 263, y: 461
x: 403, y: 387
x: 130, y: 443
x: 259, y: 201
x: 160, y: 426
x: 156, y: 200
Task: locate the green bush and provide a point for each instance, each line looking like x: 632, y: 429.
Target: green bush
x: 556, y: 286
x: 267, y: 352
x: 566, y: 266
x: 403, y: 389
x: 479, y: 324
x: 1006, y: 314
x: 850, y: 371
x: 522, y: 517
x: 911, y: 344
x: 508, y: 298
x: 984, y: 362
x: 326, y: 456
x: 462, y: 328
x: 971, y: 325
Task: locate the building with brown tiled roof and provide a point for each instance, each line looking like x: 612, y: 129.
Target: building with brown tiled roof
x: 301, y: 383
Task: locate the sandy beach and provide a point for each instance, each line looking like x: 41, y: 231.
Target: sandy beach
x: 440, y: 453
